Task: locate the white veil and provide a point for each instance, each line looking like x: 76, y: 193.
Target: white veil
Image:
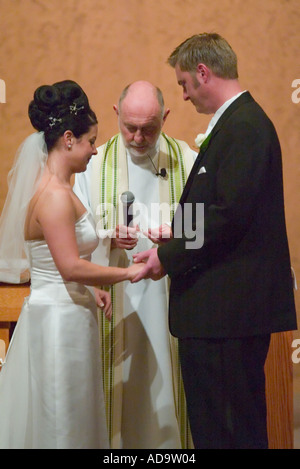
x: 23, y: 179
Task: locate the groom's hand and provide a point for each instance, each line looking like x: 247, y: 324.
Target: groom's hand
x: 153, y: 268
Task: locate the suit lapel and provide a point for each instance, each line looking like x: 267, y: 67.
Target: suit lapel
x: 240, y: 101
x: 191, y: 177
x: 243, y: 99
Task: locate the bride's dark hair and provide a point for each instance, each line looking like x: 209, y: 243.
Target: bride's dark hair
x: 60, y: 107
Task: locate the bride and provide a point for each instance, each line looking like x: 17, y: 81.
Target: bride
x: 50, y: 384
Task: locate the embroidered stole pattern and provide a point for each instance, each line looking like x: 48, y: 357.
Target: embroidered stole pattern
x: 113, y: 181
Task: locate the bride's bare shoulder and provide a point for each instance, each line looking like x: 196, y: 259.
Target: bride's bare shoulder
x: 51, y: 195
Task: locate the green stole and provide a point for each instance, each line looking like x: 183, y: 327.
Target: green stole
x: 110, y: 180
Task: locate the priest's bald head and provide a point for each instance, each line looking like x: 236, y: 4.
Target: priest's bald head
x: 141, y: 115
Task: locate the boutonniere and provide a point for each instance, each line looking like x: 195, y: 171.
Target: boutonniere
x: 202, y: 141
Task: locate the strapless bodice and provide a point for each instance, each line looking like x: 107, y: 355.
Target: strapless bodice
x: 46, y: 280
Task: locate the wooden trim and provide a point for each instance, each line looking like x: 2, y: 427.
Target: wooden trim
x: 11, y: 300
x: 279, y: 391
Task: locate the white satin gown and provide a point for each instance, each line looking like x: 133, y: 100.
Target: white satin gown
x: 51, y: 392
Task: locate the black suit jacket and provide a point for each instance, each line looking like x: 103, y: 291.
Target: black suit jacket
x: 239, y: 282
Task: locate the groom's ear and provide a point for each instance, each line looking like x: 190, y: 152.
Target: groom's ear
x: 203, y: 73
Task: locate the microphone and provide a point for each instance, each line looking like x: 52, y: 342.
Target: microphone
x: 162, y: 172
x: 127, y: 199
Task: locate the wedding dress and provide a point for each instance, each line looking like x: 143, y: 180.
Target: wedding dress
x: 50, y: 384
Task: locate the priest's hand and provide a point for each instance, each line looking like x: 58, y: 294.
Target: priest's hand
x: 153, y: 268
x: 160, y: 235
x: 125, y: 237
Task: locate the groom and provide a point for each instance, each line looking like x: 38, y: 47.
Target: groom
x: 229, y: 295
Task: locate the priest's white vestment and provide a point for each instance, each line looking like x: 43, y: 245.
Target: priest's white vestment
x: 145, y: 401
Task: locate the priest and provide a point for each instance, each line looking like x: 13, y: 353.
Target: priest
x: 145, y: 400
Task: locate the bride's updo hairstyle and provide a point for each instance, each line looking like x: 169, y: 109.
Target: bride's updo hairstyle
x: 60, y: 107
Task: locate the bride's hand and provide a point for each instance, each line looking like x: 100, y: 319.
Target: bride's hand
x: 134, y: 269
x: 103, y: 300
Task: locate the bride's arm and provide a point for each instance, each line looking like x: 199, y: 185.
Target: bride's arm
x: 56, y: 215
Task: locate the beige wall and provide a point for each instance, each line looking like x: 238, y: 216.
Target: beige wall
x: 105, y: 44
